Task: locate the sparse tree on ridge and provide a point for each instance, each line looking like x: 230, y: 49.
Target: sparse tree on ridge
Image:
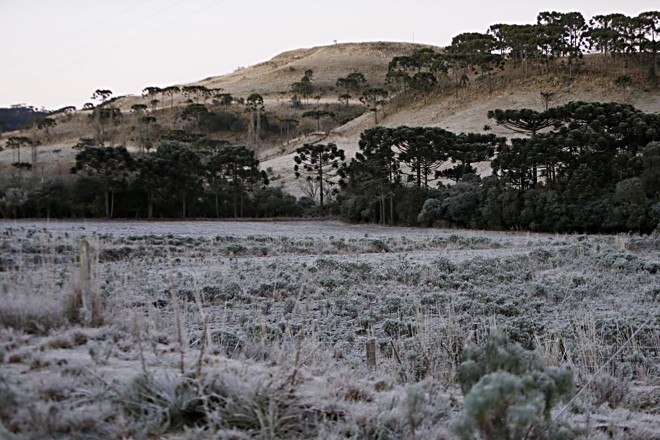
x: 304, y: 87
x: 345, y: 98
x: 255, y: 104
x: 170, y: 91
x: 317, y: 114
x: 101, y: 115
x: 374, y: 98
x: 151, y: 92
x: 289, y: 122
x: 15, y: 143
x: 194, y: 112
x: 352, y: 83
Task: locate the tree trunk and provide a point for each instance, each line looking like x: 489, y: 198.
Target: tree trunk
x: 321, y: 186
x: 250, y: 134
x: 150, y: 204
x: 382, y: 208
x: 34, y: 156
x: 234, y: 195
x: 257, y: 133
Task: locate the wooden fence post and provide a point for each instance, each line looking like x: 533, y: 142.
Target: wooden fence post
x: 371, y: 353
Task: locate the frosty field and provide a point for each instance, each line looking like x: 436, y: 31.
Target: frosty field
x: 234, y: 330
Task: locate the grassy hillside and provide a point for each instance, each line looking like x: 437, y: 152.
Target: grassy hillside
x: 271, y: 79
x: 284, y: 128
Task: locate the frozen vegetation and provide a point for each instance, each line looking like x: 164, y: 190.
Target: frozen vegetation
x: 233, y: 330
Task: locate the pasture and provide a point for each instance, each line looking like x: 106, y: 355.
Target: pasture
x: 205, y: 329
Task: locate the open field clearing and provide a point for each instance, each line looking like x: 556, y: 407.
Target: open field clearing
x: 303, y: 329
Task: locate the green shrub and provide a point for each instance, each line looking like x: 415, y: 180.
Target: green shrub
x: 508, y: 394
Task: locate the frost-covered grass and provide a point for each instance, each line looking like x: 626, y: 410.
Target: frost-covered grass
x: 249, y: 329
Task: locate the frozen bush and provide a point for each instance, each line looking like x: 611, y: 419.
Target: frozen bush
x: 162, y: 405
x: 508, y: 395
x: 32, y: 313
x: 610, y: 390
x: 395, y: 328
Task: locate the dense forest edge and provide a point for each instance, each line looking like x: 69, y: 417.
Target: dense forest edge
x: 578, y: 167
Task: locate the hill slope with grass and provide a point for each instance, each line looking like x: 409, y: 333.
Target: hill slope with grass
x: 284, y: 128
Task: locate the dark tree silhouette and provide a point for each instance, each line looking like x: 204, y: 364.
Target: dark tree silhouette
x: 236, y: 167
x: 255, y: 105
x: 323, y: 164
x: 374, y: 98
x: 318, y: 114
x: 182, y: 169
x: 110, y: 165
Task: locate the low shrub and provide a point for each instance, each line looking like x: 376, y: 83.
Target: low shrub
x: 508, y: 394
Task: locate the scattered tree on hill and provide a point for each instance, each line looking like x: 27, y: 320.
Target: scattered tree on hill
x: 547, y: 97
x: 650, y: 22
x: 15, y: 143
x: 477, y: 51
x: 138, y: 109
x: 196, y: 92
x: 345, y: 98
x: 103, y: 115
x: 318, y: 114
x: 101, y: 95
x: 374, y: 98
x: 289, y: 122
x: 304, y: 88
x: 255, y: 104
x: 352, y: 83
x: 224, y: 99
x: 194, y: 112
x: 145, y: 141
x: 418, y: 71
x: 45, y: 124
x: 561, y: 35
x: 170, y: 91
x: 152, y: 92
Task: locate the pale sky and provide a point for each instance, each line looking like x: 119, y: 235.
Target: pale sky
x: 55, y: 53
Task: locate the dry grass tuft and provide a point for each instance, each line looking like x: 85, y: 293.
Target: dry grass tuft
x: 31, y: 313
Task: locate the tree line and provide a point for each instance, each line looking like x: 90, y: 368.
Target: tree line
x: 590, y: 167
x: 557, y: 41
x: 201, y: 178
